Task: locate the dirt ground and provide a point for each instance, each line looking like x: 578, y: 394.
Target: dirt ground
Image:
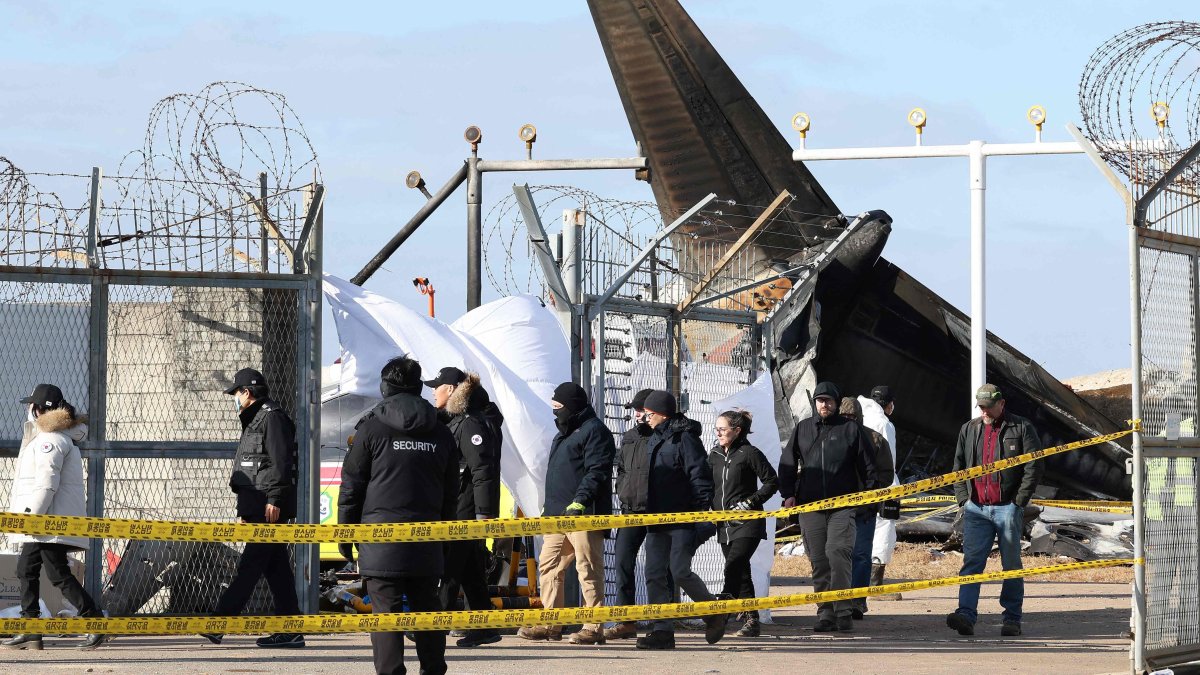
x: 925, y: 561
x: 1070, y: 627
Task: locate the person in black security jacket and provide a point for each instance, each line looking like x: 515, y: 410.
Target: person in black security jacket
x: 680, y: 480
x: 264, y: 478
x: 475, y: 422
x: 827, y: 456
x: 402, y: 467
x: 578, y: 482
x: 633, y: 484
x: 743, y: 480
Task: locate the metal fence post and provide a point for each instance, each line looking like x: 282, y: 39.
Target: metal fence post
x: 97, y: 392
x: 308, y: 408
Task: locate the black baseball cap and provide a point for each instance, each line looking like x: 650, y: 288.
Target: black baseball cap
x: 246, y: 377
x: 882, y: 394
x: 827, y: 390
x: 639, y: 400
x: 447, y: 375
x: 44, y: 396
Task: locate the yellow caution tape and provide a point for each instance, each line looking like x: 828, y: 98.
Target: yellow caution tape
x: 930, y: 499
x: 934, y: 513
x: 1100, y: 506
x: 502, y: 618
x: 175, y: 530
x: 784, y: 540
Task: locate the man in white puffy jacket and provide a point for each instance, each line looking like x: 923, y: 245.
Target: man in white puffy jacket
x: 49, y: 480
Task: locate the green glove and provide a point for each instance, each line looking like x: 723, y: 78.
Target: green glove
x: 574, y: 509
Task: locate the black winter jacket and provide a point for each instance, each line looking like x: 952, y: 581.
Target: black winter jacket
x: 680, y: 477
x: 264, y: 469
x: 476, y: 423
x: 826, y: 458
x: 580, y: 467
x: 401, y: 468
x: 1017, y: 437
x: 737, y: 475
x: 633, y: 469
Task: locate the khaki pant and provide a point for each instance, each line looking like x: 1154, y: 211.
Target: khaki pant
x: 586, y: 549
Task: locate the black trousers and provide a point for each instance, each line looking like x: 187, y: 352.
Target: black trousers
x: 261, y: 560
x: 629, y: 541
x: 466, y: 564
x: 739, y: 583
x: 669, y: 551
x: 388, y: 648
x: 29, y: 570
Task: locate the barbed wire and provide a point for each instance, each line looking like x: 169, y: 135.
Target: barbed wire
x: 184, y: 201
x: 1128, y: 75
x: 617, y: 230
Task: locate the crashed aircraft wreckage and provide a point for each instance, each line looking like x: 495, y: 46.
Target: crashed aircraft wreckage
x: 861, y: 320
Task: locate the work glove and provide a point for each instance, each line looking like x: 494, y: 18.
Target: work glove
x: 347, y: 551
x: 574, y: 509
x: 743, y: 505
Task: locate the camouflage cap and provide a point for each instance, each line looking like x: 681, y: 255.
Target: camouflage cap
x: 988, y: 394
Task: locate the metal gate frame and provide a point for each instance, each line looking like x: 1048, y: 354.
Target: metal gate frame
x: 305, y: 281
x: 1170, y: 199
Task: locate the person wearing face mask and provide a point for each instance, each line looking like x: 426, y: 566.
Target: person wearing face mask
x: 827, y: 456
x: 578, y: 482
x: 743, y: 480
x: 402, y: 467
x: 993, y: 506
x: 49, y: 481
x: 264, y: 480
x: 633, y: 483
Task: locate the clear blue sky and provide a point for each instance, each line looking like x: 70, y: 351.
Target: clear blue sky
x: 387, y: 87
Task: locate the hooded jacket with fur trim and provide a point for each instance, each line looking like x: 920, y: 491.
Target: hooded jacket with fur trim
x: 475, y: 421
x: 49, y: 475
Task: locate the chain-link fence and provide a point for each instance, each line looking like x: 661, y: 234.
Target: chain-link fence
x: 142, y: 315
x: 1168, y: 260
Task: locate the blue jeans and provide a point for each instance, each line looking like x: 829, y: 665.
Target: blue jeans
x: 860, y: 560
x: 983, y: 525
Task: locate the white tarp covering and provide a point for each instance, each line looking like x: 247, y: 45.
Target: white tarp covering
x: 516, y: 345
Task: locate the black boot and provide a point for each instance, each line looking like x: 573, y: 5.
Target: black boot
x: 23, y: 641
x: 91, y: 641
x: 877, y: 570
x: 752, y: 628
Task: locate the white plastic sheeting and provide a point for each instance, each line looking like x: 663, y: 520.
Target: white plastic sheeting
x: 884, y: 543
x: 515, y: 344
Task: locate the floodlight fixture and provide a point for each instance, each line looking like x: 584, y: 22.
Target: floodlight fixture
x: 917, y: 118
x: 414, y: 181
x: 528, y: 133
x: 1036, y: 116
x: 474, y: 136
x: 801, y: 123
x: 1160, y: 111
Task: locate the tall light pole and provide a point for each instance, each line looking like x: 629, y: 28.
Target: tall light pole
x: 976, y: 153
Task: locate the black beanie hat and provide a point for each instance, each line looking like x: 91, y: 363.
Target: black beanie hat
x: 401, y: 375
x: 661, y: 402
x: 571, y: 396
